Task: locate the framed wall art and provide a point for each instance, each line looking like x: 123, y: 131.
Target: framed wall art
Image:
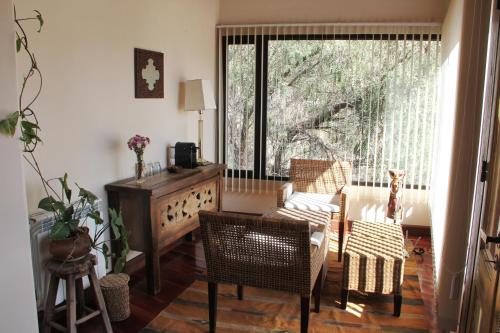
x: 148, y: 73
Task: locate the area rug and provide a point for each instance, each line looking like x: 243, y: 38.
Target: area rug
x: 268, y: 311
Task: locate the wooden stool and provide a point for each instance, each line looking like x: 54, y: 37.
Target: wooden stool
x: 73, y: 272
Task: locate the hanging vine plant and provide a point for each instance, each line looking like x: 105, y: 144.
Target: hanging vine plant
x: 67, y: 213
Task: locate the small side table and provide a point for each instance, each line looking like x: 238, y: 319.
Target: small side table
x: 73, y: 272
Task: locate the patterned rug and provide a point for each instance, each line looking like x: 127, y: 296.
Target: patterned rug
x: 269, y: 311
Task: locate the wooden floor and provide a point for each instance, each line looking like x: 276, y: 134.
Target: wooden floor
x: 179, y: 267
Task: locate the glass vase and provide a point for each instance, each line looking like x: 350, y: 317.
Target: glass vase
x: 140, y: 169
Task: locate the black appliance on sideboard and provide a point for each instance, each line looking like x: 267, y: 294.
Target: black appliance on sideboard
x: 185, y: 155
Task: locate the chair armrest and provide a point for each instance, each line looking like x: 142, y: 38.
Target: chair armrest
x: 344, y: 203
x: 283, y: 192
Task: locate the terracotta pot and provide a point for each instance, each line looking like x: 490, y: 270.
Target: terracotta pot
x: 72, y: 248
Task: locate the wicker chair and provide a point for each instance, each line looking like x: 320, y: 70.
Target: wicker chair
x: 319, y: 185
x: 264, y: 253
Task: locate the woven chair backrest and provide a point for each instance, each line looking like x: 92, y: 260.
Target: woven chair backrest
x: 320, y: 176
x: 255, y: 251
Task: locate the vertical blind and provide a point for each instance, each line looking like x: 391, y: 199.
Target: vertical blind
x: 362, y: 93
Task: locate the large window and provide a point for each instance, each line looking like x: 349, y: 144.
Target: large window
x: 365, y: 98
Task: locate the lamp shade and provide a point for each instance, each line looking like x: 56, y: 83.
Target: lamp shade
x: 199, y: 95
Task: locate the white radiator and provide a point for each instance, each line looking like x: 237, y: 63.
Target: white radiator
x: 40, y: 224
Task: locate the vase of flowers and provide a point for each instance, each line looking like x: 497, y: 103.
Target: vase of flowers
x: 138, y: 143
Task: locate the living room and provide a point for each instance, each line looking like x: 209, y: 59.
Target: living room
x: 258, y: 62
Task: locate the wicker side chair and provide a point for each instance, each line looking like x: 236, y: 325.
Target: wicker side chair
x: 319, y: 185
x: 264, y: 253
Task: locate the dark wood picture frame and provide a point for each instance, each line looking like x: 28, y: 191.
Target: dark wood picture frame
x: 141, y: 62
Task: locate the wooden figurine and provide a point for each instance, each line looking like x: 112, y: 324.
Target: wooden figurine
x: 394, y: 208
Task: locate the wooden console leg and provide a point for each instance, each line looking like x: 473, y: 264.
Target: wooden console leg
x: 398, y: 300
x: 212, y: 306
x: 153, y: 272
x: 343, y: 299
x: 240, y: 292
x: 305, y: 303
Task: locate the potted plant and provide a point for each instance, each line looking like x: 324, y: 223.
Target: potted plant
x: 69, y: 235
x: 114, y: 286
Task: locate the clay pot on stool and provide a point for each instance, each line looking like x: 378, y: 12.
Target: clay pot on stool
x: 71, y: 248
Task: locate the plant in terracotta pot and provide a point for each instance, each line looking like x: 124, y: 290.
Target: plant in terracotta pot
x: 69, y: 235
x: 70, y: 239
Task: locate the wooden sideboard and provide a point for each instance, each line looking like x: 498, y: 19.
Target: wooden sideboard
x: 165, y: 208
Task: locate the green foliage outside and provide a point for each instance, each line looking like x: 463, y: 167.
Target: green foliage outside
x: 371, y: 102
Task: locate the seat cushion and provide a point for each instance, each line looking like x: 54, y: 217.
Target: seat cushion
x: 313, y: 201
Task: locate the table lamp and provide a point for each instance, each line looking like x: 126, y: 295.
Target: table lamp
x: 199, y: 97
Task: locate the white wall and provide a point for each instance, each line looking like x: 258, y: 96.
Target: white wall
x: 320, y: 11
x: 87, y: 109
x: 17, y: 300
x: 463, y: 59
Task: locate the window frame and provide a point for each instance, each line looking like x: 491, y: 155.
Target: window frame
x: 261, y: 42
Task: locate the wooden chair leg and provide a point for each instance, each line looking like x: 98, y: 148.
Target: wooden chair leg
x: 99, y: 300
x: 80, y: 298
x: 70, y: 304
x: 212, y: 306
x: 240, y: 292
x: 343, y: 299
x: 398, y: 300
x: 341, y: 240
x: 318, y: 285
x: 50, y: 303
x: 305, y: 303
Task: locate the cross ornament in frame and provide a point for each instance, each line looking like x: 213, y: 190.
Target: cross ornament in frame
x: 148, y: 73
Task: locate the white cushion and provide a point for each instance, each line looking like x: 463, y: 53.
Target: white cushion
x: 313, y: 201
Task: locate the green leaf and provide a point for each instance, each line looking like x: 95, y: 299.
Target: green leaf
x: 116, y: 231
x: 40, y: 19
x: 87, y: 195
x: 50, y: 204
x: 105, y: 252
x: 120, y: 265
x: 96, y: 215
x: 9, y: 124
x: 118, y: 220
x: 68, y: 213
x: 59, y: 231
x: 29, y: 125
x: 18, y: 44
x: 64, y: 185
x: 73, y: 224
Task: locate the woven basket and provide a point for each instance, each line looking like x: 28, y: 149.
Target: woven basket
x: 116, y: 294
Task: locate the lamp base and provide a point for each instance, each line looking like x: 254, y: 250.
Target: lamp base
x: 202, y: 162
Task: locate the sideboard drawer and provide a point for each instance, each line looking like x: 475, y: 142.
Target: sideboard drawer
x: 178, y: 212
